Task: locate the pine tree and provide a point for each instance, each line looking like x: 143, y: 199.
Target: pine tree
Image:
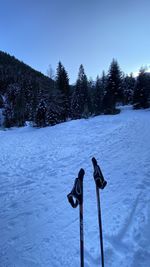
x: 20, y: 106
x: 33, y: 101
x: 1, y: 102
x: 54, y: 109
x: 40, y: 118
x: 141, y: 95
x: 99, y: 94
x: 62, y: 86
x: 90, y: 100
x: 114, y: 91
x: 128, y: 89
x: 79, y: 105
x: 8, y: 115
x: 14, y: 107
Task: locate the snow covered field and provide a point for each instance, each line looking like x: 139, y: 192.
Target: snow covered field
x: 38, y: 227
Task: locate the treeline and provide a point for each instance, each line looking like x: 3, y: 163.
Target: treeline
x: 28, y: 95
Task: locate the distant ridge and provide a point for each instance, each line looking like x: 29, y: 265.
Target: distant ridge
x: 7, y: 60
x: 13, y: 70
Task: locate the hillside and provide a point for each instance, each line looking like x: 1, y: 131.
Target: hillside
x: 12, y: 70
x: 38, y: 167
x: 23, y: 91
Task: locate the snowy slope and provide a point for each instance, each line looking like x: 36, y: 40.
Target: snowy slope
x: 37, y: 169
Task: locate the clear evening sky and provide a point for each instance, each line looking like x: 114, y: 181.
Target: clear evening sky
x: 91, y: 32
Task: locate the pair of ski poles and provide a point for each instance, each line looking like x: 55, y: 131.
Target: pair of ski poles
x: 75, y: 198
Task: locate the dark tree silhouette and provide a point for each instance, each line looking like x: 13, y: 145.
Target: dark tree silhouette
x: 62, y: 85
x: 141, y: 92
x: 80, y: 101
x: 114, y: 91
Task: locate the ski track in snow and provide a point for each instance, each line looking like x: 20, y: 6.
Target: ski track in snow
x: 37, y: 170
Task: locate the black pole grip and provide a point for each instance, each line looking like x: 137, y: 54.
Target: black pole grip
x: 75, y: 197
x: 81, y: 174
x: 94, y: 161
x: 98, y: 176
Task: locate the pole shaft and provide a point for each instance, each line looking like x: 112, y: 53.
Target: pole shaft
x: 81, y: 237
x: 100, y: 225
x: 81, y: 228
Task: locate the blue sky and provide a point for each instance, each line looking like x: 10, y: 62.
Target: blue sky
x: 91, y: 32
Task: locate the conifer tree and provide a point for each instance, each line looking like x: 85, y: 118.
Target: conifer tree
x: 99, y: 94
x: 54, y: 109
x: 8, y: 115
x: 62, y: 86
x: 33, y: 101
x: 40, y: 118
x: 1, y: 101
x: 128, y: 89
x: 114, y: 91
x: 79, y: 105
x: 91, y: 92
x: 140, y: 97
x: 14, y: 107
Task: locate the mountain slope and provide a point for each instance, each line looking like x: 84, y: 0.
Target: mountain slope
x: 38, y: 226
x: 12, y: 70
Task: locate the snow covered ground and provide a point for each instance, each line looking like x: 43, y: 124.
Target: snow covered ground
x: 38, y: 227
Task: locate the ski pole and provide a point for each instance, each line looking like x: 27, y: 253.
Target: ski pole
x: 100, y: 184
x: 75, y: 198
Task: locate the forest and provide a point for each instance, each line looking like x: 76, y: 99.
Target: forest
x: 27, y: 95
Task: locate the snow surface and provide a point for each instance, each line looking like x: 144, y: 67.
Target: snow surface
x: 39, y: 228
